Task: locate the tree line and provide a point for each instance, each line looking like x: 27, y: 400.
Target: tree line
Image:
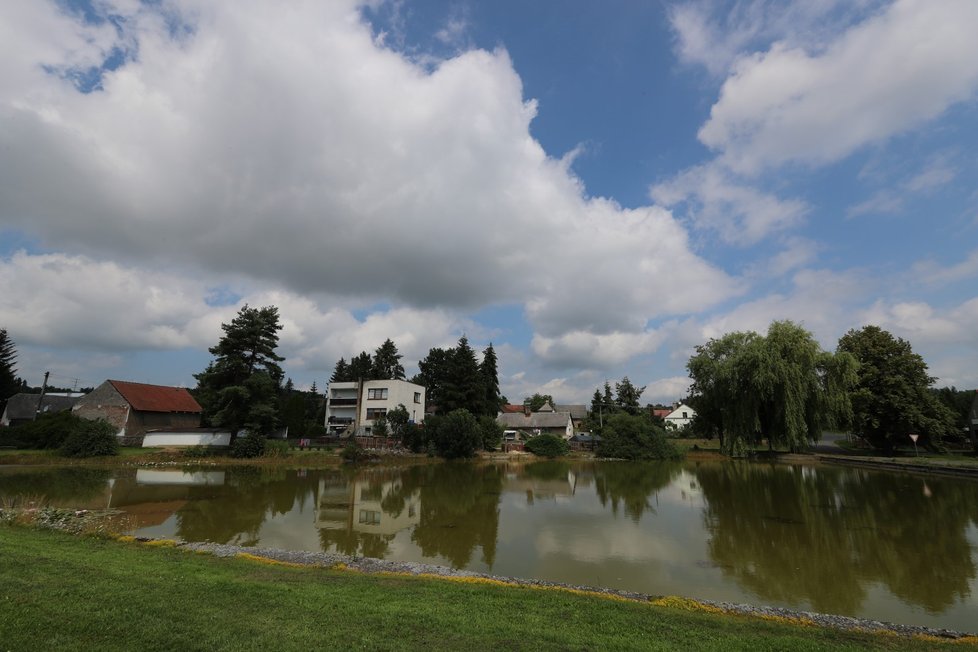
x: 783, y: 389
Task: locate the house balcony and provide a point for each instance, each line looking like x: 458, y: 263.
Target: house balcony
x: 342, y: 402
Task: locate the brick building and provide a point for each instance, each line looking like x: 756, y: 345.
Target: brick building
x: 135, y: 408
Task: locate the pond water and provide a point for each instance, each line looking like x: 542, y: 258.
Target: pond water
x: 837, y: 540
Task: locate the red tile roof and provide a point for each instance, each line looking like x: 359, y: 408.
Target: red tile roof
x: 662, y: 413
x: 510, y: 408
x: 156, y: 398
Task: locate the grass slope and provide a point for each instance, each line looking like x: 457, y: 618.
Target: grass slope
x: 69, y: 593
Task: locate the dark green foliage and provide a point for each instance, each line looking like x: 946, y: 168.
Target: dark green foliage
x: 415, y: 437
x: 9, y: 384
x: 239, y: 389
x: 548, y: 446
x: 198, y: 452
x: 493, y: 400
x: 492, y: 432
x: 457, y: 434
x: 90, y: 439
x: 633, y: 437
x: 454, y: 380
x: 361, y: 367
x: 397, y: 421
x: 780, y: 387
x: 341, y: 373
x: 380, y: 428
x: 387, y: 362
x: 628, y: 395
x: 249, y: 446
x: 49, y: 431
x: 959, y: 402
x: 891, y: 399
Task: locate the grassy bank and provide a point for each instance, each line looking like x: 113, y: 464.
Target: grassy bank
x: 69, y: 593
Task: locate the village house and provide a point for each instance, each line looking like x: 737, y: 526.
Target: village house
x: 680, y: 417
x: 352, y: 407
x: 546, y: 420
x: 135, y: 408
x: 23, y: 407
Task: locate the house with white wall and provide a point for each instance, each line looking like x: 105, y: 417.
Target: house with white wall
x: 680, y: 417
x: 354, y: 406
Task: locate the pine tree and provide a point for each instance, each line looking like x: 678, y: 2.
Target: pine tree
x: 9, y: 384
x: 492, y: 399
x: 341, y: 373
x: 387, y: 362
x: 433, y: 375
x: 628, y: 395
x: 239, y: 387
x: 361, y: 367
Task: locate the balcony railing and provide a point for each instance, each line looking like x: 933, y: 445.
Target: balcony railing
x: 340, y: 402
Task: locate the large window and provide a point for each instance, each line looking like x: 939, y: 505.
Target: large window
x: 375, y: 413
x: 377, y: 393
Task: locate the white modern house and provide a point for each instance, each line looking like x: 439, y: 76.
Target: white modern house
x: 353, y: 406
x: 680, y: 417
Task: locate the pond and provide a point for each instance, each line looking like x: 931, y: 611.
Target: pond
x: 838, y: 540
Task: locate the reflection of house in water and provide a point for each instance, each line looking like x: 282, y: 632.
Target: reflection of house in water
x: 359, y: 506
x: 150, y: 497
x: 541, y: 483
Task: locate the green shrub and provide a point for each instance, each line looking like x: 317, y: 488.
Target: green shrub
x: 276, y: 448
x: 47, y: 432
x: 492, y: 433
x: 353, y: 453
x: 631, y: 437
x: 251, y: 445
x: 91, y: 439
x: 548, y: 446
x: 457, y: 435
x: 197, y: 452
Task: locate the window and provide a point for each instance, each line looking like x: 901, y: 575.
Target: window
x: 369, y: 517
x: 375, y: 413
x: 417, y: 397
x: 378, y: 393
x: 685, y: 415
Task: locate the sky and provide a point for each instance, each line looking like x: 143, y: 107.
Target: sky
x: 594, y: 188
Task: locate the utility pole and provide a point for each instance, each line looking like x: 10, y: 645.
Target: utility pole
x: 40, y: 399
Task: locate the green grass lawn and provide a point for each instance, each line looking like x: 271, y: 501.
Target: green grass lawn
x: 59, y: 592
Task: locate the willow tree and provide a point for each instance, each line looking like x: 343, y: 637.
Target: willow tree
x: 780, y: 387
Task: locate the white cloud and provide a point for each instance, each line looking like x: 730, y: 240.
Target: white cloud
x: 714, y: 39
x: 606, y: 351
x: 931, y: 272
x: 666, y: 390
x: 891, y: 72
x: 715, y: 199
x: 290, y: 148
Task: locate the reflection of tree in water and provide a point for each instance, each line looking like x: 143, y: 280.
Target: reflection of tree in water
x: 631, y: 484
x: 795, y: 534
x: 459, y: 510
x: 236, y: 511
x: 61, y: 486
x: 355, y: 544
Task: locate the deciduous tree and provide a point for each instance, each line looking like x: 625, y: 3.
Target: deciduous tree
x: 780, y: 387
x: 891, y: 399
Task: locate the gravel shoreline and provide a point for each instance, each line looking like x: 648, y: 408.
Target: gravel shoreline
x: 371, y: 565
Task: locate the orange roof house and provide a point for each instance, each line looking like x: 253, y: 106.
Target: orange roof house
x: 134, y: 408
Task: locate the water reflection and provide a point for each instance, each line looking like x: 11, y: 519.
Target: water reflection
x: 837, y: 540
x: 794, y: 535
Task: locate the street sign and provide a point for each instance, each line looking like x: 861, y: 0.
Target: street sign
x: 914, y: 437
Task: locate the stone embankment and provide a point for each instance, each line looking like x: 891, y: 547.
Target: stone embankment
x: 371, y: 565
x: 925, y: 466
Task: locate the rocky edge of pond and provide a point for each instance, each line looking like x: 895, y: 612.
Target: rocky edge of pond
x: 372, y: 565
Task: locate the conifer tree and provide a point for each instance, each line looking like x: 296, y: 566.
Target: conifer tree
x: 9, y: 385
x: 341, y: 373
x: 387, y: 362
x: 239, y: 387
x: 361, y: 367
x: 493, y: 400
